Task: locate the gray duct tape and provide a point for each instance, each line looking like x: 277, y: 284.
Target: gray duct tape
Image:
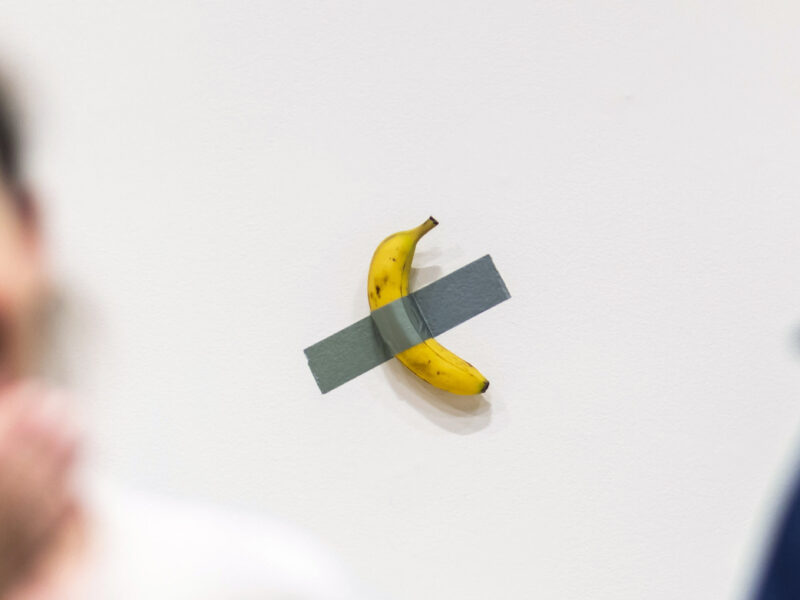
x: 404, y: 323
x: 401, y: 324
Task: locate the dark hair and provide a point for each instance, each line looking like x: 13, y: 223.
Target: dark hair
x: 9, y: 138
x: 10, y: 159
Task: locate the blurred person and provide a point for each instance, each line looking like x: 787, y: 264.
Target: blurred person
x: 780, y: 577
x: 61, y: 540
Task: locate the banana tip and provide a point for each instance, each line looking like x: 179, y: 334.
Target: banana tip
x: 485, y: 386
x: 435, y: 222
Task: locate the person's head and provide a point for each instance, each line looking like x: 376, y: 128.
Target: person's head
x: 23, y: 283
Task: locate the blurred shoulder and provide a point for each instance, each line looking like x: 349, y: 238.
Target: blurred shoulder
x: 198, y: 550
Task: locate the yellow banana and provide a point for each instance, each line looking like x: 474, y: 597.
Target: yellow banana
x: 388, y: 281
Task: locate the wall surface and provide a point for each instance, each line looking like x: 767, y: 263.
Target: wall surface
x: 217, y: 176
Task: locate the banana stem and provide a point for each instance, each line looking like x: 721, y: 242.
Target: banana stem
x: 425, y: 227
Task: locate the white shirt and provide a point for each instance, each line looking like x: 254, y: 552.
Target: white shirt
x: 147, y: 547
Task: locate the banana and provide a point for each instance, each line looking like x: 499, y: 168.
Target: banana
x: 388, y: 281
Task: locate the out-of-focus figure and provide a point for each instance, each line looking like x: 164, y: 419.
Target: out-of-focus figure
x: 39, y: 514
x: 61, y: 541
x: 781, y: 577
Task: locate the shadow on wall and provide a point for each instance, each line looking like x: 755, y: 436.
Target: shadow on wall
x: 418, y: 278
x: 457, y: 414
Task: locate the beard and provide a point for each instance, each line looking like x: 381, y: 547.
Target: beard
x: 12, y: 348
x: 23, y: 340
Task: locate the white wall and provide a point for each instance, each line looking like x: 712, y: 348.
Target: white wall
x: 218, y: 174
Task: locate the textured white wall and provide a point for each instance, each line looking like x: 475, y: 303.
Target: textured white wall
x: 218, y: 175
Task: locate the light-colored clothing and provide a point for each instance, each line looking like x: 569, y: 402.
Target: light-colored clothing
x: 144, y: 546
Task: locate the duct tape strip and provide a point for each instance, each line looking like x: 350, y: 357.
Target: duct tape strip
x: 407, y: 321
x: 401, y: 324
